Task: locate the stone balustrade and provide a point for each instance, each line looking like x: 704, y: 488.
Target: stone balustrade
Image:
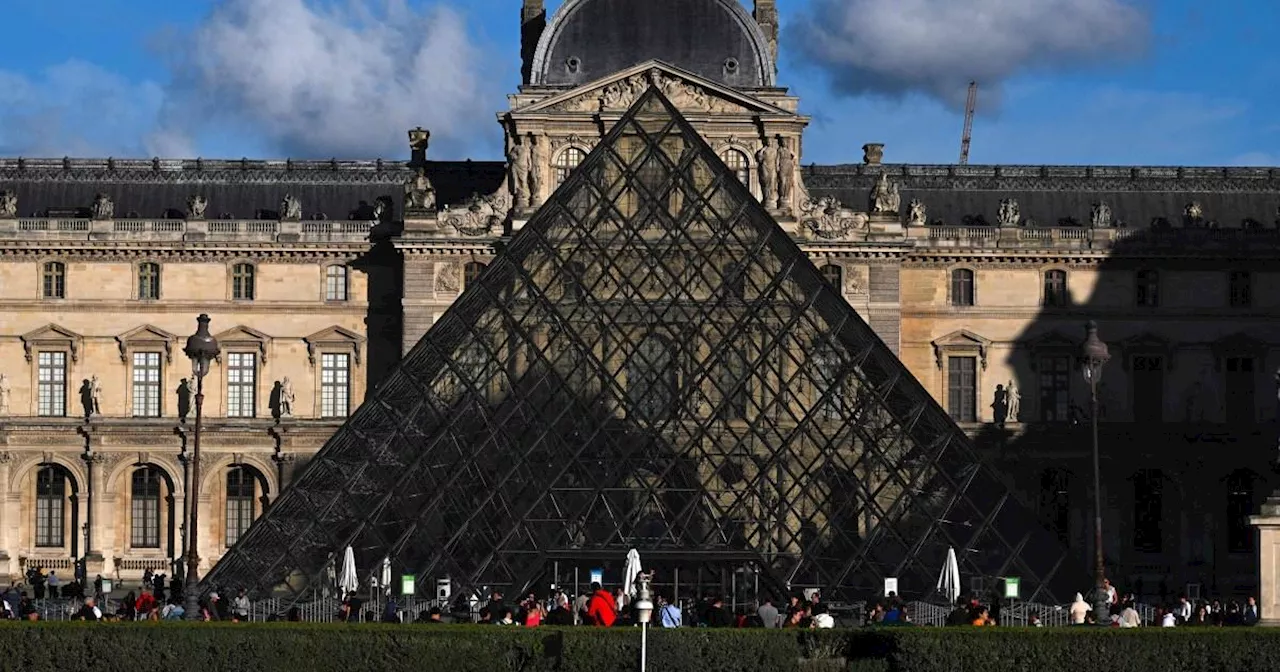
x: 249, y: 230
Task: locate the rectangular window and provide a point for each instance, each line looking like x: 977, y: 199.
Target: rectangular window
x: 1055, y: 288
x: 242, y: 384
x: 1055, y: 388
x: 239, y: 516
x: 52, y: 384
x: 1148, y: 388
x: 962, y: 388
x: 1241, y: 289
x: 1241, y: 385
x: 335, y: 283
x: 145, y: 530
x: 50, y: 495
x: 146, y: 385
x: 1148, y: 511
x: 335, y: 387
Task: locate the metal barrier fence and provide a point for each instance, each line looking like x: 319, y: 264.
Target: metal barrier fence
x: 326, y: 610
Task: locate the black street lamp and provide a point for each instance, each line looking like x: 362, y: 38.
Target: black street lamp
x: 201, y: 348
x: 1093, y: 357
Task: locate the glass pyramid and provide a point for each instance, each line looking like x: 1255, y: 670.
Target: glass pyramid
x: 652, y: 363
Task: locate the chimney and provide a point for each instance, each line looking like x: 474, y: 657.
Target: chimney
x: 766, y: 14
x: 872, y: 153
x: 533, y: 19
x: 419, y: 140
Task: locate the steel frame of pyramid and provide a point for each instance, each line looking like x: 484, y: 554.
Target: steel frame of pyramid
x: 651, y: 363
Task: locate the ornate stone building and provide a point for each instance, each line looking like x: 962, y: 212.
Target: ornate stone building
x: 324, y: 273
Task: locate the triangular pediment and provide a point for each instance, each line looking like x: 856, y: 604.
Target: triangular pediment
x: 634, y: 370
x: 690, y: 94
x: 146, y: 334
x: 1053, y: 340
x: 241, y: 336
x: 962, y: 341
x: 52, y: 335
x: 331, y: 337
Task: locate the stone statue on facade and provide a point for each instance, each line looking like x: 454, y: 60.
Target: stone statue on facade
x: 539, y: 163
x: 885, y: 197
x: 290, y: 209
x: 5, y: 392
x: 1193, y: 214
x: 917, y: 214
x: 103, y: 207
x: 519, y: 164
x: 196, y: 206
x: 184, y: 400
x: 1010, y: 213
x: 786, y: 174
x: 1100, y: 217
x: 1015, y: 402
x: 8, y: 204
x: 827, y: 218
x: 286, y: 398
x: 419, y: 193
x: 480, y: 215
x: 91, y: 397
x: 1000, y: 406
x: 767, y: 158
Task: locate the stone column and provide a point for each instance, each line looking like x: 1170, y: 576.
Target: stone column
x: 1268, y: 524
x: 94, y: 468
x: 8, y: 515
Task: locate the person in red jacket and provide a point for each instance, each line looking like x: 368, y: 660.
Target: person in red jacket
x: 602, y: 610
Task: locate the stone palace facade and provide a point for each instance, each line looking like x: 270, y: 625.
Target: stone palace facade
x: 319, y: 275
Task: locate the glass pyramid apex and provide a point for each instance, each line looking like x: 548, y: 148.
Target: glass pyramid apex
x: 652, y: 363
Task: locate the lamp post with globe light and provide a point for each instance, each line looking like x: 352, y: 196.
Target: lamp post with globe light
x: 644, y: 613
x: 1093, y: 357
x: 201, y: 348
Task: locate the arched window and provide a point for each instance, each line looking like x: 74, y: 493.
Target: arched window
x: 242, y: 282
x: 572, y: 280
x: 1148, y: 510
x: 834, y: 275
x: 566, y: 161
x: 148, y: 281
x: 1148, y: 288
x: 241, y: 503
x: 471, y: 272
x: 651, y: 378
x: 962, y: 289
x: 737, y: 163
x: 735, y: 281
x: 1239, y: 508
x: 1055, y: 502
x: 54, y: 280
x: 1055, y: 288
x: 145, y: 508
x: 51, y: 506
x: 733, y: 383
x: 335, y: 283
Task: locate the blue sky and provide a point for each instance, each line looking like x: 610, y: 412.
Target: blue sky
x: 1064, y: 81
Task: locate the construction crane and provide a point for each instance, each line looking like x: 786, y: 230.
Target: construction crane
x: 969, y: 109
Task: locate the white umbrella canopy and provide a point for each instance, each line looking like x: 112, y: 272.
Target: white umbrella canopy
x: 630, y: 571
x: 385, y: 579
x: 348, y: 581
x: 949, y: 579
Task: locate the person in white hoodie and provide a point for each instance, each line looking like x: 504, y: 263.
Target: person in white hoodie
x: 821, y: 619
x: 1079, y: 610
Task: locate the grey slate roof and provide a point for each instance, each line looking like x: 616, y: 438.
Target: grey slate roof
x: 243, y: 189
x: 1047, y: 194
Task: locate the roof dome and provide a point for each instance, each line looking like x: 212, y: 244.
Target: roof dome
x: 591, y: 39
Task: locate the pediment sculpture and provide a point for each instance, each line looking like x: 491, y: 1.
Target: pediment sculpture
x: 481, y: 214
x: 8, y: 204
x: 830, y: 220
x: 885, y: 197
x: 619, y: 95
x: 103, y: 207
x: 1010, y: 213
x: 917, y: 213
x: 196, y: 206
x: 419, y: 193
x: 291, y: 209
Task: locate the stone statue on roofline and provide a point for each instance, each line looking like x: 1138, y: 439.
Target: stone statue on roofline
x: 8, y: 204
x: 1100, y: 217
x: 917, y: 214
x: 291, y: 209
x: 1010, y: 213
x: 885, y: 197
x: 419, y: 193
x: 767, y: 159
x: 103, y: 207
x: 196, y: 206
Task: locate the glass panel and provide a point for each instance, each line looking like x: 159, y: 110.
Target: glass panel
x: 568, y: 405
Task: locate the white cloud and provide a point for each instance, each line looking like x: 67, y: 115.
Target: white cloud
x: 319, y: 79
x: 935, y: 47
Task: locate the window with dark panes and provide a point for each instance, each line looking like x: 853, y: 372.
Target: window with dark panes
x: 1054, y: 373
x: 1055, y: 288
x: 471, y: 272
x: 962, y: 381
x: 54, y: 280
x: 145, y: 508
x: 1148, y: 511
x: 962, y: 290
x: 51, y: 498
x: 242, y: 282
x: 1148, y: 388
x: 1240, y: 533
x: 1241, y: 289
x: 148, y: 281
x: 240, y: 503
x: 1148, y: 288
x: 1241, y: 384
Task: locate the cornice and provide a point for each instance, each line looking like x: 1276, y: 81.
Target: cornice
x: 348, y: 308
x: 159, y: 251
x: 1156, y: 179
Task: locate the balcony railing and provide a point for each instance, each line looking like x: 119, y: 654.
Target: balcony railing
x: 1076, y: 237
x: 50, y: 228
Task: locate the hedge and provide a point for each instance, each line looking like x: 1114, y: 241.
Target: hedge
x: 287, y: 647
